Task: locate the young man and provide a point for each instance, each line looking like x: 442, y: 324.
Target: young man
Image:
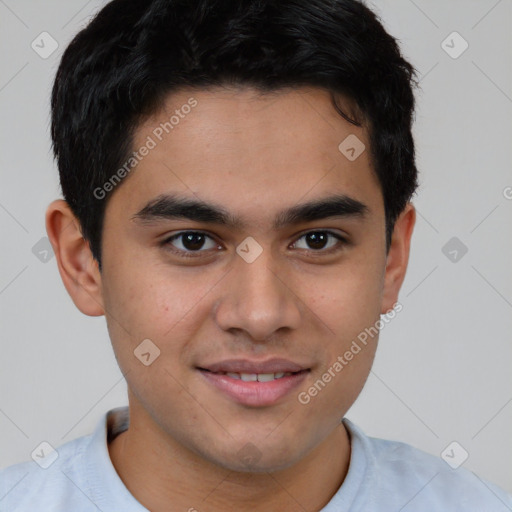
x: 237, y: 180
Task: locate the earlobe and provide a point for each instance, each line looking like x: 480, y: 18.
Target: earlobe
x: 398, y: 257
x: 77, y: 266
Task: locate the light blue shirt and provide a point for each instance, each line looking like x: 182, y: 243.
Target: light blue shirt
x: 384, y: 476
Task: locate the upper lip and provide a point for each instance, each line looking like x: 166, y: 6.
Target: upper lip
x: 246, y: 366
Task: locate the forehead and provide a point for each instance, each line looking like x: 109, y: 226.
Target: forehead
x: 254, y: 152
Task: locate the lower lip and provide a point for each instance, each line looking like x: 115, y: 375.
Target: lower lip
x: 255, y: 393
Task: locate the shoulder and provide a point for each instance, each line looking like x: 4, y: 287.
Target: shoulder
x: 52, y: 475
x: 408, y: 477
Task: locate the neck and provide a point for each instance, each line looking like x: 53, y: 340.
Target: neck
x: 170, y: 473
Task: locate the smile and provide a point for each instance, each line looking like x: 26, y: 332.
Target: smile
x: 253, y: 377
x: 254, y: 389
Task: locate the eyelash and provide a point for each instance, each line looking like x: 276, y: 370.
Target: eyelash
x: 195, y: 254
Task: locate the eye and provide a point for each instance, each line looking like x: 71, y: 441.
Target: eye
x: 318, y: 241
x: 191, y: 242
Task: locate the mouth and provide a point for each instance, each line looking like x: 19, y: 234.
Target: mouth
x: 255, y: 377
x: 252, y: 383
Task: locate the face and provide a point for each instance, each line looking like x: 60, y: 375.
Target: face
x: 219, y: 299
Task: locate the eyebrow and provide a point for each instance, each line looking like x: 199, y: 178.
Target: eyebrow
x: 170, y: 207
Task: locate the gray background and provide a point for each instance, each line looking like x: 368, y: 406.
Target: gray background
x: 443, y: 367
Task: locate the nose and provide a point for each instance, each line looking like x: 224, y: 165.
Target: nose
x: 258, y: 298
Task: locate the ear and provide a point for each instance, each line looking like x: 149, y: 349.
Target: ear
x: 398, y: 257
x: 77, y: 267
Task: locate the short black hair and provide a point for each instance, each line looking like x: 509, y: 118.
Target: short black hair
x: 122, y: 66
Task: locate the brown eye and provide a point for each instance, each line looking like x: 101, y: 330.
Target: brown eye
x: 318, y: 241
x: 193, y: 241
x: 187, y: 243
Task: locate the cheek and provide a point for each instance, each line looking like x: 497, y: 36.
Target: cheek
x: 348, y: 303
x: 349, y: 306
x: 347, y: 299
x: 156, y: 303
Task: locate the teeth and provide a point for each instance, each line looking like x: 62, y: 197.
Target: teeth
x: 265, y: 377
x: 260, y: 377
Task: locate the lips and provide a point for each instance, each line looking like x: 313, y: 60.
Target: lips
x: 254, y: 383
x: 253, y: 377
x: 244, y: 366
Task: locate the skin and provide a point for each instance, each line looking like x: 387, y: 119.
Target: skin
x: 254, y: 155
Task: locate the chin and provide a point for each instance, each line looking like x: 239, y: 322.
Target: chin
x: 262, y: 466
x: 250, y: 459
